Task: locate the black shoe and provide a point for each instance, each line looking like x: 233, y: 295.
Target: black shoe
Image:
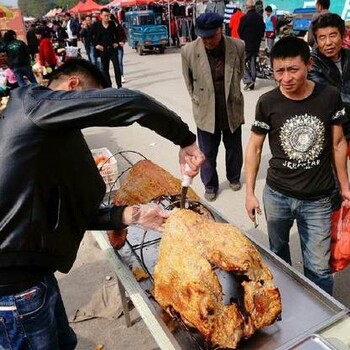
x: 210, y: 196
x: 235, y: 185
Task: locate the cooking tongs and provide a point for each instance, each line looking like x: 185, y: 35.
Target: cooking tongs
x: 186, y: 182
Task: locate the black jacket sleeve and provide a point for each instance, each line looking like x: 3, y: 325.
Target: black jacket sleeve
x: 108, y: 218
x: 60, y: 110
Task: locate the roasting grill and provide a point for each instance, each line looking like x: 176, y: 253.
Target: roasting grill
x: 306, y: 309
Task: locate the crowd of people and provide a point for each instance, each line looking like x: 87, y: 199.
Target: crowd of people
x: 51, y: 43
x: 305, y: 117
x: 46, y: 204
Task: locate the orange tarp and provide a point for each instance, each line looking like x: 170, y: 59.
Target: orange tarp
x: 89, y: 6
x: 76, y: 8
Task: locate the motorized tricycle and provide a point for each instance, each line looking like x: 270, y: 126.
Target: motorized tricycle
x: 144, y: 33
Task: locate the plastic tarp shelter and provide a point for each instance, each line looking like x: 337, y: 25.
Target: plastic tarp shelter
x: 76, y: 8
x: 89, y: 6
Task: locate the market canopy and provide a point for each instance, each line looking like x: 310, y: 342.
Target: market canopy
x: 90, y: 6
x: 54, y: 12
x: 76, y: 8
x: 130, y: 3
x: 113, y: 3
x: 5, y: 12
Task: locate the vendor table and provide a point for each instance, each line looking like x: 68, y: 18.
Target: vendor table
x: 311, y: 319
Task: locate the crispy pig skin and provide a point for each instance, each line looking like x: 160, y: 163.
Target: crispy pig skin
x: 146, y: 181
x: 184, y: 279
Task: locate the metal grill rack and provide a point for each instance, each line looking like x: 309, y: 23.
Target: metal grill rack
x: 307, y: 310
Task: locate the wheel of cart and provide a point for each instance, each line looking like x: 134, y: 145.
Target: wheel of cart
x: 140, y: 49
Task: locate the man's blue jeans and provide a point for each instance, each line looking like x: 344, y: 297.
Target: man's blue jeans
x: 313, y: 220
x: 120, y: 56
x: 35, y: 319
x: 22, y: 72
x: 249, y: 75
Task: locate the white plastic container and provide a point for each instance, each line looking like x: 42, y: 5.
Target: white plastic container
x: 107, y: 165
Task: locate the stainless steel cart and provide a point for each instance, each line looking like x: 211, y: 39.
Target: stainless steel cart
x: 311, y: 319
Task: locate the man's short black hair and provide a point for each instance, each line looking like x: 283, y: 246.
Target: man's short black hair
x: 105, y: 9
x: 290, y: 46
x: 268, y: 8
x: 68, y: 14
x: 81, y: 67
x: 9, y: 36
x: 324, y: 3
x: 328, y: 20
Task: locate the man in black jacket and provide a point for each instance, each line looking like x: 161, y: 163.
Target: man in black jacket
x: 32, y: 41
x: 331, y: 62
x: 86, y: 34
x: 18, y: 58
x: 51, y: 190
x: 251, y: 30
x: 60, y: 36
x: 106, y: 39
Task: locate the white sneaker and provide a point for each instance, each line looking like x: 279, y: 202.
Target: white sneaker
x: 123, y: 79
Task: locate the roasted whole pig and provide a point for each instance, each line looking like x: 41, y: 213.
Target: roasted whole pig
x: 185, y: 282
x: 144, y: 182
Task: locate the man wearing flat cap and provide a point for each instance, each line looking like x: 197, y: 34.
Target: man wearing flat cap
x: 213, y: 67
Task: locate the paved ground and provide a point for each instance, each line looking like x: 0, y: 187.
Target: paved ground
x: 160, y: 76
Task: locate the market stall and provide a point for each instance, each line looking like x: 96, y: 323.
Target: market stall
x: 310, y: 319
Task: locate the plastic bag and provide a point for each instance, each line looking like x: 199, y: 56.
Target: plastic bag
x: 72, y: 51
x: 340, y: 239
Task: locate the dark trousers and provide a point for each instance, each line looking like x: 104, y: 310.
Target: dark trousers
x: 73, y: 42
x: 209, y: 145
x: 249, y: 75
x: 106, y: 56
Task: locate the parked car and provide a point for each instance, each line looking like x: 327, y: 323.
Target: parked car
x: 144, y: 33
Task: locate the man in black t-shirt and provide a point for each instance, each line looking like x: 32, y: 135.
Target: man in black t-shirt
x: 304, y: 124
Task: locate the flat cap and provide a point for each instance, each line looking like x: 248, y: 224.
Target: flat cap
x: 208, y: 23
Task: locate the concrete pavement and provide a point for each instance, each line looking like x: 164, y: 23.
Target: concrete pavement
x: 160, y: 76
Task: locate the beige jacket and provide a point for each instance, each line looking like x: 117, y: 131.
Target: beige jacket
x: 199, y: 82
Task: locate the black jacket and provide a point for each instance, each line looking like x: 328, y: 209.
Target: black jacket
x: 106, y: 36
x: 17, y: 54
x: 50, y: 187
x: 251, y: 30
x: 324, y: 71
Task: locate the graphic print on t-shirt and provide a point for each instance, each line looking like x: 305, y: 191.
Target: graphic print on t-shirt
x: 302, y: 139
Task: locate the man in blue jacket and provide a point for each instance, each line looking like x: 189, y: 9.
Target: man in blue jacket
x: 51, y: 190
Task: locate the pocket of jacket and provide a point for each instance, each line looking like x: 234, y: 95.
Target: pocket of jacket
x: 54, y: 208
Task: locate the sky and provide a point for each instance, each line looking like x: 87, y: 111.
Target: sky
x: 9, y: 2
